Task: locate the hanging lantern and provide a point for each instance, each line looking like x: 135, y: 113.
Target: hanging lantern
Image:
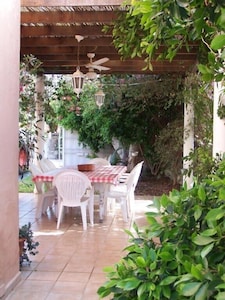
x: 78, y: 76
x: 99, y: 98
x: 78, y: 81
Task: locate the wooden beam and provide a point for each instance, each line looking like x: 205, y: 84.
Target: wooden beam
x: 51, y: 3
x: 157, y: 69
x: 131, y: 63
x: 84, y: 58
x: 64, y: 41
x: 100, y: 50
x: 54, y: 30
x: 67, y: 17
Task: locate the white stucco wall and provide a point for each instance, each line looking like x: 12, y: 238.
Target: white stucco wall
x: 9, y: 92
x: 73, y: 152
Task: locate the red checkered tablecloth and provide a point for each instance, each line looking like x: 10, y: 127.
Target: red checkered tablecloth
x: 101, y: 174
x: 106, y: 174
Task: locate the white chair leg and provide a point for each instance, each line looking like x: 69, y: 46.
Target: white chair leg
x: 46, y: 204
x: 39, y: 207
x: 91, y: 209
x: 84, y: 216
x: 56, y: 207
x: 112, y: 205
x: 123, y: 205
x: 60, y: 215
x: 131, y: 204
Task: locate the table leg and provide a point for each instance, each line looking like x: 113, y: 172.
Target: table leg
x: 39, y: 201
x: 100, y: 190
x: 101, y: 206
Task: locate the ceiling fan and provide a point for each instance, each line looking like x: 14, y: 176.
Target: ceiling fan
x: 92, y: 65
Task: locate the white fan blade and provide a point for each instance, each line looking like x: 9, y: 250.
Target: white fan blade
x: 100, y: 68
x: 100, y: 61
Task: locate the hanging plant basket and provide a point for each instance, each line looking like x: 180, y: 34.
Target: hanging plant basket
x: 221, y: 111
x: 27, y: 245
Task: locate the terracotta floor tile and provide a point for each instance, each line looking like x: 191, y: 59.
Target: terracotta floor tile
x: 74, y: 276
x: 68, y: 287
x: 40, y: 275
x: 28, y: 294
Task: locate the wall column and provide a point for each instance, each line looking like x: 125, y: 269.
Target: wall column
x: 218, y: 124
x: 188, y: 145
x: 9, y: 150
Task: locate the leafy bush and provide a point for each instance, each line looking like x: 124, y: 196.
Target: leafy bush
x: 180, y: 255
x: 171, y: 159
x: 26, y: 185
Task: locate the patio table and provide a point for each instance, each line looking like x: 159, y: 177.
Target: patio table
x: 101, y: 175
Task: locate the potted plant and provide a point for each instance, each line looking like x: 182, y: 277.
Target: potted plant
x: 27, y: 245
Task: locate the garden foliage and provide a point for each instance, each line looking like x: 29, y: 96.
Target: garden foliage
x: 180, y: 253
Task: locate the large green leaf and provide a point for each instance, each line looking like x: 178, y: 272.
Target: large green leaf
x: 166, y: 256
x: 196, y: 272
x: 222, y: 193
x: 209, y: 232
x: 129, y: 283
x: 189, y: 289
x: 215, y: 214
x: 201, y: 193
x: 204, y: 69
x: 218, y: 42
x: 202, y: 292
x: 140, y: 261
x: 206, y: 250
x: 168, y: 280
x: 142, y: 289
x: 184, y: 278
x: 220, y: 296
x: 202, y: 240
x: 197, y: 212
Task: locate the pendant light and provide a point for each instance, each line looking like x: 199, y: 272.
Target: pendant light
x: 99, y: 97
x: 78, y: 76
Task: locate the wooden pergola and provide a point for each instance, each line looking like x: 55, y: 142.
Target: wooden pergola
x: 48, y: 29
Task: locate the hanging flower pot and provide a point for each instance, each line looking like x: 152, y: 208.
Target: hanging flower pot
x: 21, y: 246
x: 77, y: 110
x: 72, y: 108
x: 68, y: 98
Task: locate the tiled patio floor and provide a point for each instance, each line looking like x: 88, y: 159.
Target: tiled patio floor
x: 70, y: 262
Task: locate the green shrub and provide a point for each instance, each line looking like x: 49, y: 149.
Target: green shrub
x: 26, y: 185
x: 181, y: 254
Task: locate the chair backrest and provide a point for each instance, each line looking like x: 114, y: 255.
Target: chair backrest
x: 50, y: 164
x: 46, y: 165
x: 100, y: 161
x: 71, y: 186
x: 35, y: 170
x: 134, y: 177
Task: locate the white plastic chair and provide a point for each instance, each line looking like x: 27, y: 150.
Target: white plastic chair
x: 100, y: 188
x: 123, y: 193
x: 99, y: 161
x: 46, y: 165
x: 74, y: 190
x: 45, y: 199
